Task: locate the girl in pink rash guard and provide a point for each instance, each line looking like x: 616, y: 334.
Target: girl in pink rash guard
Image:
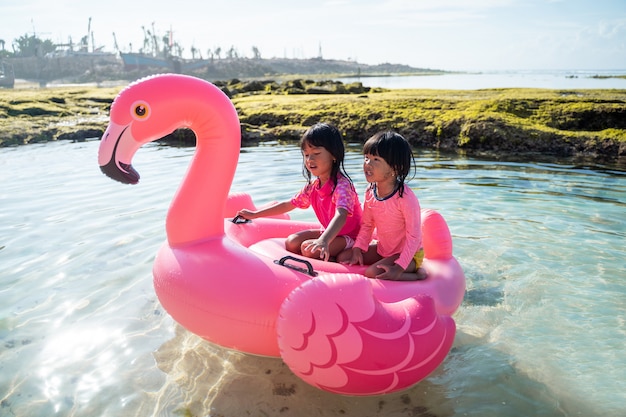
x: 332, y: 196
x: 392, y: 209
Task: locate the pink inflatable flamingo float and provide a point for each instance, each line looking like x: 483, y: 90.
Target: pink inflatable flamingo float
x: 231, y: 284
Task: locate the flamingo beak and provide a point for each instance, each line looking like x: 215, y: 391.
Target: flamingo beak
x: 121, y: 172
x: 112, y: 152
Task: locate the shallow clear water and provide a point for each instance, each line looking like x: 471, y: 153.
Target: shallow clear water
x: 541, y: 331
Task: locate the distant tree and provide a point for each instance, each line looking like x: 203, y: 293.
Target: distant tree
x: 26, y: 46
x: 152, y: 44
x: 232, y: 53
x: 146, y: 41
x: 256, y: 53
x: 167, y: 47
x: 155, y: 42
x: 178, y: 50
x: 3, y: 52
x: 218, y: 52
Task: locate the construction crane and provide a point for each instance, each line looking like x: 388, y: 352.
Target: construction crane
x: 117, y: 49
x: 89, y: 35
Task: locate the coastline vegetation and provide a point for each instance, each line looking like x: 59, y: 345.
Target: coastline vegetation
x: 589, y: 123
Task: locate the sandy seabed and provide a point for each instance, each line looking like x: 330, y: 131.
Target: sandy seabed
x: 212, y: 381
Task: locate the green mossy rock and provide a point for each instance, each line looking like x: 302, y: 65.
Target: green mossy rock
x: 590, y: 123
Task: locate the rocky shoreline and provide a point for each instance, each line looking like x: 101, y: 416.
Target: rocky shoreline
x: 589, y: 124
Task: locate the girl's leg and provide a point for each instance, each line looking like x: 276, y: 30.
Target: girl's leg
x: 409, y: 274
x: 294, y: 241
x: 413, y: 274
x: 369, y: 257
x: 344, y: 256
x: 337, y: 245
x: 372, y: 258
x: 374, y: 270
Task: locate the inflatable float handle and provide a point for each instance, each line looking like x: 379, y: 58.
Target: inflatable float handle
x: 240, y: 220
x: 309, y: 268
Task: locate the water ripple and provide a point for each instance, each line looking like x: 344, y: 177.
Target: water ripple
x: 540, y: 332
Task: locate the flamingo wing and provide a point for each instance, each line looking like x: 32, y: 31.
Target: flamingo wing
x: 334, y: 334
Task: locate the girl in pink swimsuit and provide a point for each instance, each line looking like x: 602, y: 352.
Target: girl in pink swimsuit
x: 332, y: 196
x: 392, y: 209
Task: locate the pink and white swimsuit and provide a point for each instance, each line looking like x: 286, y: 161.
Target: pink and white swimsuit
x: 397, y: 223
x: 325, y: 203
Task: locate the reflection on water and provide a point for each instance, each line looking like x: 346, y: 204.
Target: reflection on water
x: 541, y: 330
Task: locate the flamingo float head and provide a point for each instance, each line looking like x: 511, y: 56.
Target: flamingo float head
x: 155, y: 106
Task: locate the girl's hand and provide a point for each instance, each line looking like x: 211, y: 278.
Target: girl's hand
x: 357, y: 257
x: 247, y: 214
x: 318, y: 245
x: 390, y: 272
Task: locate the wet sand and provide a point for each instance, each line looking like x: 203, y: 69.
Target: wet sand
x: 222, y: 382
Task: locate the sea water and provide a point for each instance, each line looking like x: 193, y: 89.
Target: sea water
x: 556, y: 79
x: 541, y: 331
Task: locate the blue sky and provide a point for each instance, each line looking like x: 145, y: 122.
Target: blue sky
x: 442, y: 34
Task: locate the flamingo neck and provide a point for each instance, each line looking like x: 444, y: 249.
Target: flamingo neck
x: 197, y: 210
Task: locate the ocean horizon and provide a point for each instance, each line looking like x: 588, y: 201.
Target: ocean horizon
x: 476, y: 80
x: 462, y: 80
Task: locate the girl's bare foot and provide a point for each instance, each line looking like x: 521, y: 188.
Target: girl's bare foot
x: 421, y: 274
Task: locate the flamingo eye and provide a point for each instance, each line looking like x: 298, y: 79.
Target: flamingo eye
x: 140, y: 110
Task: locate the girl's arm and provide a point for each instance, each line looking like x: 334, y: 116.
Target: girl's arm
x: 411, y: 211
x: 413, y: 227
x: 275, y: 209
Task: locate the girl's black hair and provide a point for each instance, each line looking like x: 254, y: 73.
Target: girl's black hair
x: 395, y: 150
x: 328, y: 137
